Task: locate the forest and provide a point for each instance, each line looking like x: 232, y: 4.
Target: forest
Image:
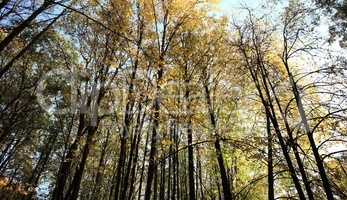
x: 173, y: 99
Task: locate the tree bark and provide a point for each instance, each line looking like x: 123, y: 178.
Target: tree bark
x: 143, y: 166
x: 138, y: 134
x: 318, y: 159
x: 120, y: 166
x: 153, y: 152
x: 64, y: 170
x: 225, y: 181
x: 162, y: 180
x: 202, y: 196
x: 295, y: 90
x: 272, y: 115
x: 190, y: 138
x: 292, y: 142
x: 74, y: 188
x: 100, y: 169
x: 270, y: 175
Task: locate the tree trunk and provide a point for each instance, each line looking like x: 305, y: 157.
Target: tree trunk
x: 284, y: 147
x: 64, y: 170
x: 202, y: 196
x: 43, y: 160
x: 100, y: 169
x: 174, y: 166
x: 270, y: 175
x: 120, y: 166
x: 155, y: 184
x: 153, y: 152
x: 319, y: 161
x: 177, y: 163
x: 190, y: 140
x: 162, y: 180
x: 143, y: 166
x: 76, y: 182
x: 138, y: 133
x: 292, y: 142
x: 270, y: 112
x: 125, y: 134
x: 225, y: 181
x: 134, y: 145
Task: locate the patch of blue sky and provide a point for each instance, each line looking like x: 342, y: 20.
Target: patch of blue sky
x: 235, y: 9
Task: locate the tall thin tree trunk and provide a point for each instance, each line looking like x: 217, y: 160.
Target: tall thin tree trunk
x: 76, y: 181
x: 124, y: 137
x: 318, y: 159
x: 294, y: 144
x: 134, y: 145
x: 125, y: 183
x: 225, y: 181
x: 270, y: 111
x: 43, y: 160
x: 143, y: 166
x: 270, y: 175
x: 120, y: 165
x: 153, y: 152
x: 64, y: 170
x: 125, y: 134
x: 177, y: 163
x: 138, y: 133
x: 202, y: 197
x: 100, y: 169
x: 174, y: 192
x: 155, y: 184
x: 190, y: 139
x: 169, y: 171
x: 162, y: 180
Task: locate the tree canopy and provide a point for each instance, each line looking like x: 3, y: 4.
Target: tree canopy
x: 172, y: 99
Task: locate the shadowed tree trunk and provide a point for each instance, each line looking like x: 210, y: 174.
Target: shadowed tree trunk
x: 135, y: 160
x: 222, y: 170
x: 120, y: 175
x: 270, y: 175
x: 100, y: 169
x: 286, y: 54
x: 292, y: 141
x: 143, y: 165
x: 190, y: 137
x: 153, y: 152
x: 74, y: 188
x: 318, y: 159
x: 64, y: 170
x: 270, y: 112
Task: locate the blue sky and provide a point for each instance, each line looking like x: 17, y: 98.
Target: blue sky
x: 233, y: 3
x: 227, y: 5
x: 231, y: 8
